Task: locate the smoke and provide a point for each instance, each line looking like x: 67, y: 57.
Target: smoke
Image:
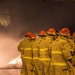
x: 33, y: 16
x: 8, y: 49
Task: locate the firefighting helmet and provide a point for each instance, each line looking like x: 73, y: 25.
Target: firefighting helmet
x: 51, y: 31
x: 73, y: 35
x: 28, y: 33
x: 42, y: 32
x: 64, y: 32
x: 32, y: 36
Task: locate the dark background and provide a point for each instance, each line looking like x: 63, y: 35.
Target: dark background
x: 35, y: 15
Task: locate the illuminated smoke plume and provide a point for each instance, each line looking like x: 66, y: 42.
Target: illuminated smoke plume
x: 32, y: 15
x: 8, y: 50
x: 15, y: 63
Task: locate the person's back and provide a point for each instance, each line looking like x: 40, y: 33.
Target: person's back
x: 28, y: 49
x: 73, y: 37
x: 72, y: 44
x: 21, y: 49
x: 35, y: 47
x: 60, y: 53
x: 36, y: 50
x: 28, y: 55
x: 23, y: 43
x: 60, y: 46
x: 44, y: 55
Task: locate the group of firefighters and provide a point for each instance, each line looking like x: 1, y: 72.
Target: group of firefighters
x: 50, y: 53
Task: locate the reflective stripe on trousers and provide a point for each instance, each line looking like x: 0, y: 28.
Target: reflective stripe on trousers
x: 58, y: 64
x: 44, y: 59
x: 28, y: 49
x: 35, y: 58
x: 56, y: 52
x: 43, y: 49
x: 35, y: 49
x: 27, y: 57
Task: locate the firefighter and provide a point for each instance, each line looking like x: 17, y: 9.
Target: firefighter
x: 28, y: 54
x: 21, y: 49
x: 36, y: 50
x: 73, y: 36
x: 61, y: 57
x: 51, y: 36
x: 44, y: 55
x: 72, y: 44
x: 73, y: 47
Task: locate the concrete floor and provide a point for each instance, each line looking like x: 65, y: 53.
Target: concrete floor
x: 10, y: 71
